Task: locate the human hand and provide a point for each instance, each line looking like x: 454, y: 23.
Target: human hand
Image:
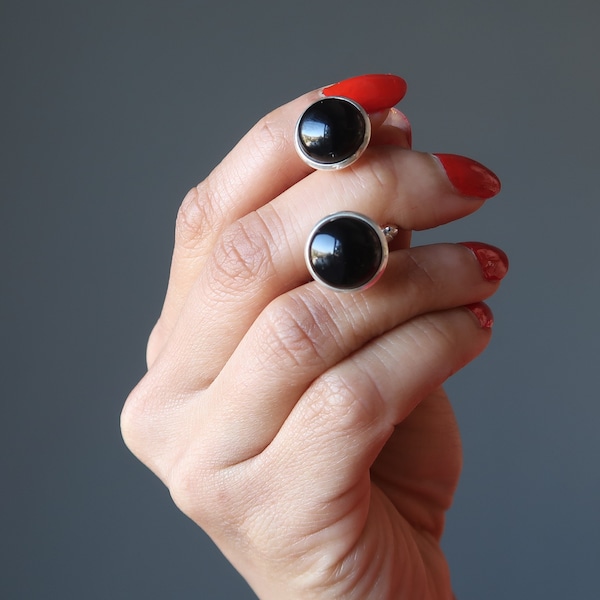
x: 304, y: 430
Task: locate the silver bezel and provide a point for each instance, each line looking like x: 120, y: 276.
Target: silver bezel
x: 384, y: 250
x: 347, y: 161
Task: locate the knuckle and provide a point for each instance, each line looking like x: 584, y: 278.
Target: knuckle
x: 207, y: 495
x: 271, y: 137
x: 197, y: 214
x: 419, y: 280
x: 133, y: 419
x: 242, y: 254
x: 149, y: 419
x: 185, y: 484
x: 352, y: 400
x: 300, y: 334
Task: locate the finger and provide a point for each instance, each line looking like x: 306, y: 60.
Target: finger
x: 260, y: 167
x: 335, y: 431
x: 292, y: 343
x: 308, y: 331
x: 349, y: 413
x: 260, y: 257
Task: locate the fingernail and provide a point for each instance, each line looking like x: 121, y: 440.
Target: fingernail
x: 372, y: 92
x: 482, y: 313
x: 493, y: 261
x: 469, y: 177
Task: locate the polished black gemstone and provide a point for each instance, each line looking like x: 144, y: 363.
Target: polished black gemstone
x: 331, y: 130
x: 345, y: 252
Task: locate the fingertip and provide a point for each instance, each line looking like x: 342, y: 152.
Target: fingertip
x: 482, y: 313
x: 391, y: 128
x: 492, y: 260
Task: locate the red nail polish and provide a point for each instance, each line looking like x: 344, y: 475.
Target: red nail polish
x: 372, y: 92
x: 493, y: 261
x: 469, y: 177
x: 483, y: 313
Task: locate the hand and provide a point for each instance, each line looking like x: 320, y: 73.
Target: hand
x: 304, y: 430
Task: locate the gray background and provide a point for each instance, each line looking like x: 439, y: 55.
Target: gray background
x: 111, y: 111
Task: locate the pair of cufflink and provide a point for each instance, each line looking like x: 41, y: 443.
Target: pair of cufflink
x: 346, y: 251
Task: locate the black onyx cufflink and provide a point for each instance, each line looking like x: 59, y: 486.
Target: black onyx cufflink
x: 348, y: 252
x: 332, y: 133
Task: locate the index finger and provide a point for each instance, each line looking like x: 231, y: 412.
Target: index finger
x: 260, y: 167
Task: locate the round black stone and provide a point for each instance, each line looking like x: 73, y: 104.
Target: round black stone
x: 345, y: 253
x: 331, y: 130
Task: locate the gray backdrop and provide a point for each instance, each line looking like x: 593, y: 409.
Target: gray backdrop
x: 111, y: 111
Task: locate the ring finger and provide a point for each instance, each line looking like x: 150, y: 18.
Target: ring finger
x: 260, y: 256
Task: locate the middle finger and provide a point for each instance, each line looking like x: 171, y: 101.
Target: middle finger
x: 260, y: 256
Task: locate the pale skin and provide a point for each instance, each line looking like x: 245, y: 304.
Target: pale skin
x: 306, y: 431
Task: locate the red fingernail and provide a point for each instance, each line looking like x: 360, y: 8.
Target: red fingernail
x: 493, y: 261
x: 469, y: 177
x: 483, y: 313
x: 372, y: 92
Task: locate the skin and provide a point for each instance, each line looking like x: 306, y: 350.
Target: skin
x: 306, y: 431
